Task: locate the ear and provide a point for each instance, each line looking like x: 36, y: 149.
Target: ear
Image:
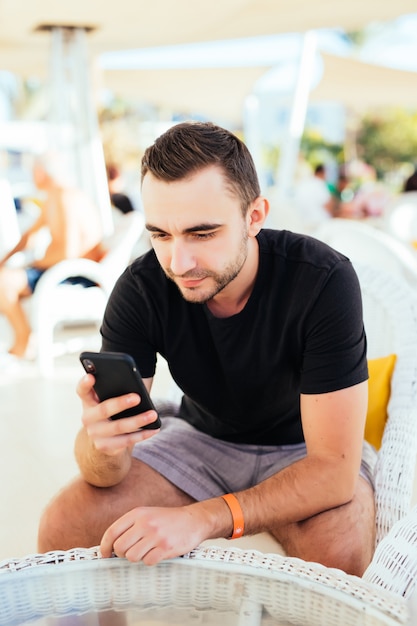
x: 257, y: 214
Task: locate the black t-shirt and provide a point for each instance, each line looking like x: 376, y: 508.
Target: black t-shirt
x: 301, y: 331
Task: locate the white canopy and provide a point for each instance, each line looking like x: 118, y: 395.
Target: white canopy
x: 135, y: 24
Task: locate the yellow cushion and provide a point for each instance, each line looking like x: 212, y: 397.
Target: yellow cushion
x: 379, y: 384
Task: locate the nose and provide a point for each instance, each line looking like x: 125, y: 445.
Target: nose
x: 182, y: 259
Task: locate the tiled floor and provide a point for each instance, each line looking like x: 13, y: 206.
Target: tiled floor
x: 39, y: 420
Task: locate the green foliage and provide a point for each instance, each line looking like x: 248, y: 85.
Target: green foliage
x: 388, y: 140
x: 317, y: 150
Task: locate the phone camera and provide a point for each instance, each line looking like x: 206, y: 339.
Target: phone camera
x: 89, y: 366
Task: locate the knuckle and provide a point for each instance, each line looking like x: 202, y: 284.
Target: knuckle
x: 104, y: 411
x: 120, y: 427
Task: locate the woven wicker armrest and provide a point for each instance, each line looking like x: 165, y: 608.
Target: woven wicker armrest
x: 285, y: 590
x: 390, y: 313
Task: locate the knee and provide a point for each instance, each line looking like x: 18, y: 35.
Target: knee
x: 56, y: 522
x: 350, y: 557
x: 68, y: 521
x: 335, y: 550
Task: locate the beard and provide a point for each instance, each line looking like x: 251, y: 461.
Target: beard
x: 219, y: 280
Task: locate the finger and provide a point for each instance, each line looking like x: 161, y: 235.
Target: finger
x: 114, y: 531
x: 133, y: 542
x: 99, y: 424
x: 153, y: 556
x: 96, y: 412
x: 113, y: 445
x: 144, y: 550
x: 85, y: 390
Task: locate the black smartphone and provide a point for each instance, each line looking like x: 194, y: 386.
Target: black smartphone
x: 116, y: 374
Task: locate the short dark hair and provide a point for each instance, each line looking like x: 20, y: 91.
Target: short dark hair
x: 411, y: 183
x: 191, y: 146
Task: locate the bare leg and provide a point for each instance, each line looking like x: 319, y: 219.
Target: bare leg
x: 13, y: 286
x: 80, y: 513
x: 343, y: 537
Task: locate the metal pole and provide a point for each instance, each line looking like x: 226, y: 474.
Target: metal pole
x: 73, y: 119
x: 292, y: 136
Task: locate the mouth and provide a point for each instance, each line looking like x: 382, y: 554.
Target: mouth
x: 189, y: 283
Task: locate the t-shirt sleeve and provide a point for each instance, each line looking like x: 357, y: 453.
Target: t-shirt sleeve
x: 127, y: 324
x: 335, y: 342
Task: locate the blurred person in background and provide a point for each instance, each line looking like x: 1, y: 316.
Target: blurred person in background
x: 341, y: 197
x: 73, y: 224
x: 313, y: 199
x: 118, y: 197
x: 411, y: 182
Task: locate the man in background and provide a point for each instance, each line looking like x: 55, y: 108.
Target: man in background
x: 313, y: 199
x: 75, y: 231
x: 118, y: 197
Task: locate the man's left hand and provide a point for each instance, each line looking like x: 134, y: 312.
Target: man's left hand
x: 151, y: 534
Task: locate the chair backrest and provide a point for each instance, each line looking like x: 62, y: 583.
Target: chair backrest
x: 390, y: 318
x: 364, y: 243
x: 401, y: 217
x: 120, y: 244
x: 55, y: 302
x: 394, y: 564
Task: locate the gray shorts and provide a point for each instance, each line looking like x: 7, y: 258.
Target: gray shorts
x: 205, y: 467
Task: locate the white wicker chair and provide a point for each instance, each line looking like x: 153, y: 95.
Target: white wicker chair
x: 55, y: 304
x: 387, y: 271
x: 367, y: 244
x: 207, y: 584
x: 400, y: 217
x: 390, y: 317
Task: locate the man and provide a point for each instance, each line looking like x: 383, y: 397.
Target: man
x: 75, y: 231
x: 263, y: 332
x: 313, y: 199
x: 118, y: 198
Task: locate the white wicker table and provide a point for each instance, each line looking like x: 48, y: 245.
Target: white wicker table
x: 208, y: 586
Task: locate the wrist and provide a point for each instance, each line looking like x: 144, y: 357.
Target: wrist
x: 237, y: 515
x: 213, y: 517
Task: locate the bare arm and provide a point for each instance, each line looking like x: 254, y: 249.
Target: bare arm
x: 103, y: 447
x: 74, y: 225
x: 23, y: 241
x: 333, y: 425
x: 60, y: 223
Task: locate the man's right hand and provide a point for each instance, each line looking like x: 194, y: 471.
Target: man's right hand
x: 112, y: 436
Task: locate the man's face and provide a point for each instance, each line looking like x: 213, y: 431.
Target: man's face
x: 197, y: 230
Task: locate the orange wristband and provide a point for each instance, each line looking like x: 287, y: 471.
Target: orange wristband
x: 237, y: 515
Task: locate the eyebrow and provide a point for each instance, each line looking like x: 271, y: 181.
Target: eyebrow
x: 192, y: 229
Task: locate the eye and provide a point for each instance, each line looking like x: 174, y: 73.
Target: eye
x: 160, y: 236
x: 204, y: 235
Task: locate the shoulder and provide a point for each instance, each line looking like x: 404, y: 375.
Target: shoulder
x: 296, y: 248
x: 145, y: 275
x: 71, y: 198
x: 303, y: 264
x: 147, y: 265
